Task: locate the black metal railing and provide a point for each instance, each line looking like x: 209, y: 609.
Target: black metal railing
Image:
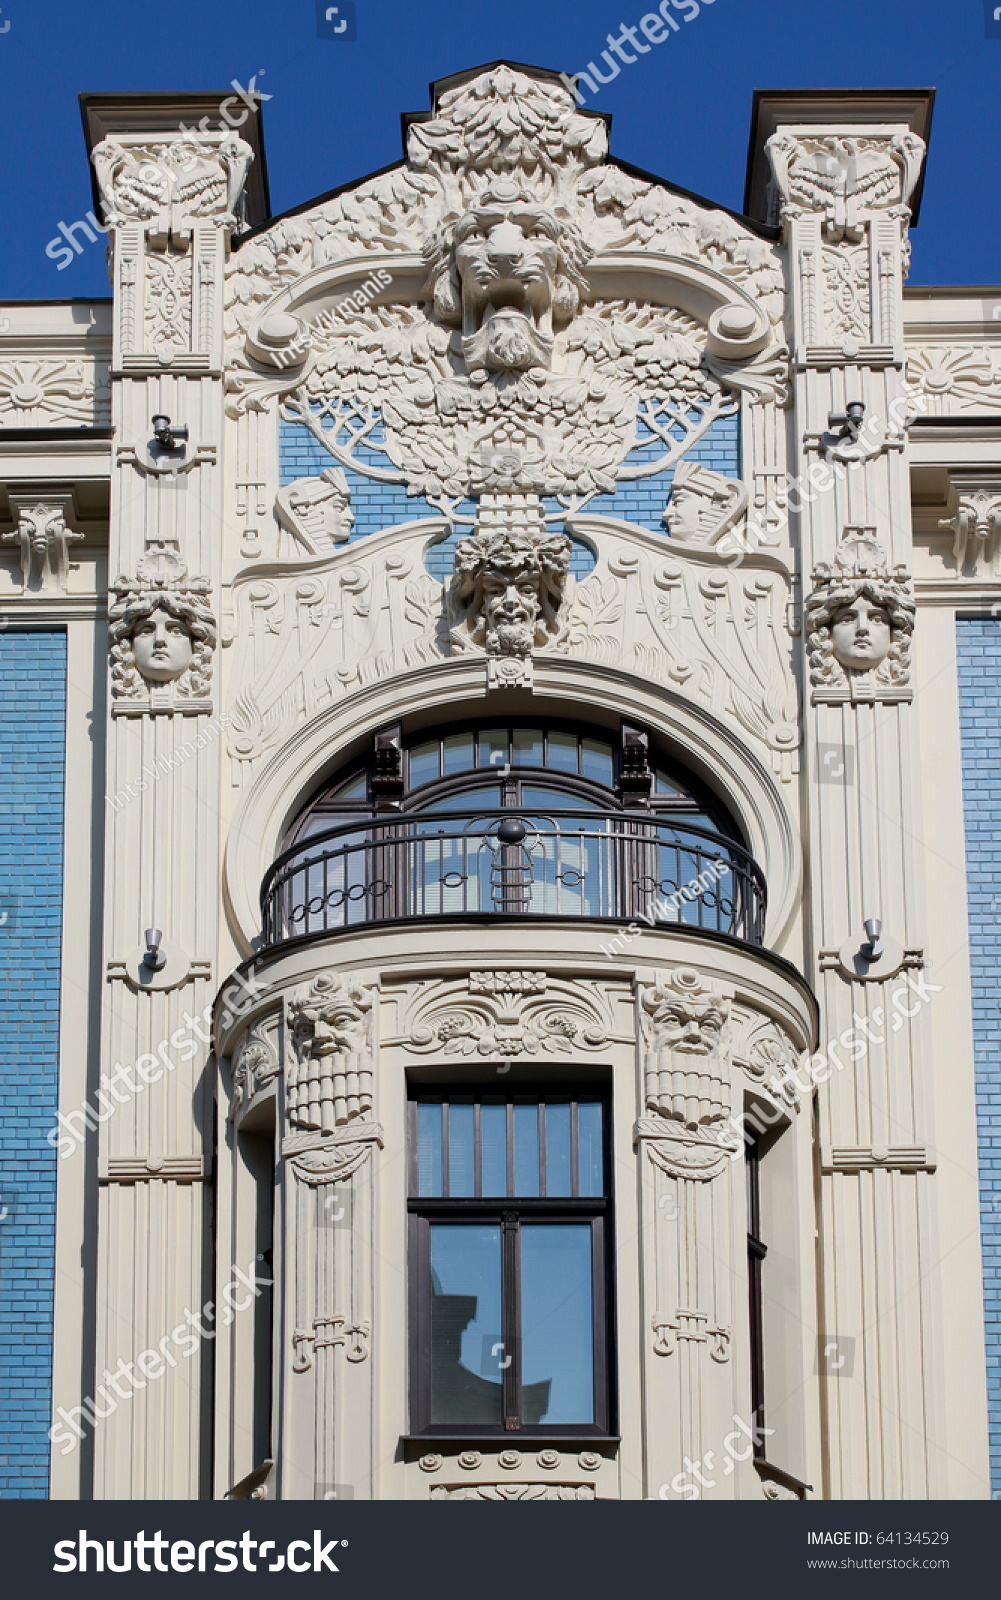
x: 620, y: 866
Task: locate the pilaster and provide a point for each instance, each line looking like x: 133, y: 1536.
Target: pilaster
x: 842, y: 192
x: 170, y: 202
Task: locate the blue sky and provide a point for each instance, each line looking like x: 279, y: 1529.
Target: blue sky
x: 681, y: 111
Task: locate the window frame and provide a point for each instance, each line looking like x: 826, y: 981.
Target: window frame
x: 509, y: 1213
x: 757, y: 1250
x: 697, y: 801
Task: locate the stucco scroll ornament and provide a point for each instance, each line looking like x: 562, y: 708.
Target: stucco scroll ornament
x: 847, y: 179
x: 860, y: 618
x: 510, y: 591
x: 511, y: 1013
x: 44, y: 541
x: 328, y: 1085
x: 163, y: 635
x: 255, y: 1065
x: 977, y: 522
x: 686, y: 1074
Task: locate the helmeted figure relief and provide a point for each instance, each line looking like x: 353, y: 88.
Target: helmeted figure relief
x: 162, y: 630
x: 860, y: 619
x: 703, y: 504
x: 508, y: 271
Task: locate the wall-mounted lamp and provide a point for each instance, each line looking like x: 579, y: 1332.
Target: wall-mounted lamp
x: 155, y: 958
x: 168, y: 438
x: 874, y: 948
x: 849, y: 421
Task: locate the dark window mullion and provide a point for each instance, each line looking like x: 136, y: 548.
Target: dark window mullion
x: 542, y: 1148
x: 599, y: 1312
x: 477, y: 1148
x: 511, y: 1317
x: 510, y: 1146
x: 413, y: 1164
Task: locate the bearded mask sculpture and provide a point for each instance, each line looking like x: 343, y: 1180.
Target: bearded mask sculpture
x: 508, y: 271
x: 507, y: 589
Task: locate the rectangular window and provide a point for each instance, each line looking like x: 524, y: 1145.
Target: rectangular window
x: 509, y: 1269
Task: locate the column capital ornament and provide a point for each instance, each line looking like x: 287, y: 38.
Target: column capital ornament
x: 163, y: 635
x: 168, y: 185
x: 846, y: 179
x: 329, y: 1083
x: 44, y: 539
x: 255, y: 1065
x: 860, y: 618
x: 977, y: 525
x: 685, y: 1025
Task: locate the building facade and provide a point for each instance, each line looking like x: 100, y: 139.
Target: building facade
x: 501, y: 911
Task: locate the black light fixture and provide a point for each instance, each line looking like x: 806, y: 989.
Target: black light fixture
x: 874, y: 948
x: 155, y: 958
x: 849, y: 421
x: 168, y: 438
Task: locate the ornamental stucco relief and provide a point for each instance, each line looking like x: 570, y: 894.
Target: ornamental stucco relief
x: 860, y: 618
x: 163, y: 636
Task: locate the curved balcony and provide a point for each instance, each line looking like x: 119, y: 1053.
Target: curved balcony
x: 615, y: 866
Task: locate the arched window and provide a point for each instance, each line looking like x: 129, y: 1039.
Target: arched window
x: 513, y: 818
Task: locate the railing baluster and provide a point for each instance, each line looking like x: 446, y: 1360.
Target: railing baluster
x: 400, y: 869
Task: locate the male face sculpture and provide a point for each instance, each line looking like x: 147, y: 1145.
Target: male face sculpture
x: 688, y: 1024
x: 510, y: 610
x: 686, y: 514
x: 860, y: 634
x: 162, y: 647
x: 506, y: 271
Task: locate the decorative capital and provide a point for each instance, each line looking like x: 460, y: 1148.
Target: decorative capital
x: 977, y: 527
x: 168, y: 186
x: 44, y: 540
x: 687, y: 1066
x: 255, y: 1065
x: 845, y: 179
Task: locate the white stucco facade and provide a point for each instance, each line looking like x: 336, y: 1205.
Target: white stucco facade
x: 792, y: 612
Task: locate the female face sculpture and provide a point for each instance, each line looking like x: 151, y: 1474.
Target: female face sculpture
x: 860, y: 634
x: 162, y: 647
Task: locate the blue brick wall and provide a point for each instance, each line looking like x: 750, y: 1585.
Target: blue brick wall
x: 32, y: 764
x: 385, y: 505
x: 979, y: 653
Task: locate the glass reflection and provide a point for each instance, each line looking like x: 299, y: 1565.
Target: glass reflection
x: 465, y: 1323
x: 557, y: 1343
